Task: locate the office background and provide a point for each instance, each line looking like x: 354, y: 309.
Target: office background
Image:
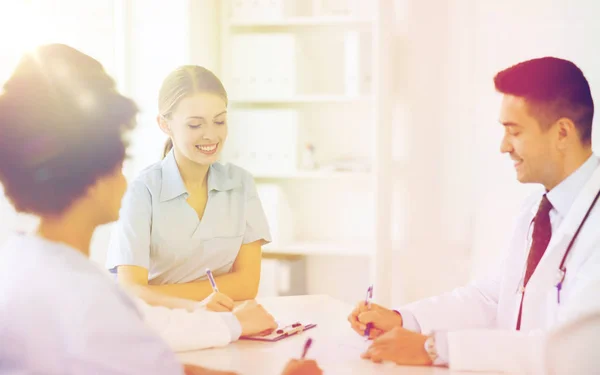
x: 370, y: 126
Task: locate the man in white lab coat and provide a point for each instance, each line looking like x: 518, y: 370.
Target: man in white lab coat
x: 500, y: 323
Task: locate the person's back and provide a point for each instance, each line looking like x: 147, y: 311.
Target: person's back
x: 61, y: 315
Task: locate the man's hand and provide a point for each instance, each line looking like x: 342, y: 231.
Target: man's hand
x: 197, y: 370
x: 302, y: 367
x: 254, y: 319
x: 383, y: 319
x: 217, y: 302
x: 400, y: 346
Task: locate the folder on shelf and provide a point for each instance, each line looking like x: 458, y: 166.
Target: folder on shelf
x: 282, y: 332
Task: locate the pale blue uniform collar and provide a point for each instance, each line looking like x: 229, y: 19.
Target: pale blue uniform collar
x: 565, y: 193
x: 173, y: 186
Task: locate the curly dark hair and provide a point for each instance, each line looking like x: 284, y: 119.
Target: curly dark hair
x: 62, y: 123
x: 553, y: 88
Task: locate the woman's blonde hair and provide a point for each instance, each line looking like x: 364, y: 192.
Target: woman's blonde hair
x: 183, y: 82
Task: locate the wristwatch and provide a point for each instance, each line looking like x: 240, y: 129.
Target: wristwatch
x: 430, y: 348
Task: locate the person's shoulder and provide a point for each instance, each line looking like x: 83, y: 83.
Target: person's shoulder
x: 232, y: 171
x: 150, y: 179
x: 55, y: 291
x: 50, y: 275
x: 233, y: 175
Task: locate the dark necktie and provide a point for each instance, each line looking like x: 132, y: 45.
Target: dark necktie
x: 542, y: 232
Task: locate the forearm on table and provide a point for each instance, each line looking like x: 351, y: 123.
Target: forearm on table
x: 239, y: 286
x: 155, y: 298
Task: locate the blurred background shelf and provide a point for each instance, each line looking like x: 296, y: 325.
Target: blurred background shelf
x: 453, y: 197
x: 303, y: 99
x: 322, y: 21
x: 338, y: 248
x: 308, y: 175
x: 304, y: 93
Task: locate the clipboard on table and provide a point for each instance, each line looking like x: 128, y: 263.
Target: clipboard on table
x: 282, y: 332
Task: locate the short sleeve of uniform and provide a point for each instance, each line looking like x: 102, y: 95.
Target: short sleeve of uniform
x: 257, y: 227
x: 130, y: 240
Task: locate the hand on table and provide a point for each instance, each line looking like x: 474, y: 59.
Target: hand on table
x: 384, y: 320
x: 197, y: 370
x: 254, y: 319
x: 400, y: 346
x: 302, y: 367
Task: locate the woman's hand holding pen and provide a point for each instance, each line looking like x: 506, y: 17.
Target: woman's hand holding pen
x: 217, y: 302
x: 384, y: 320
x: 254, y: 319
x: 198, y: 370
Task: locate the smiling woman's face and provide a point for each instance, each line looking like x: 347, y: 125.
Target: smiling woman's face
x: 198, y: 127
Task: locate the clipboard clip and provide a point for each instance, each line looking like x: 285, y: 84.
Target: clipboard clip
x: 290, y: 329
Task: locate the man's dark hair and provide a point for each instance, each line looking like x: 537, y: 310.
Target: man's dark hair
x: 553, y: 88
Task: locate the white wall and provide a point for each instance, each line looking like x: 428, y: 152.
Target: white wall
x: 509, y: 32
x: 138, y: 41
x: 462, y: 193
x: 456, y: 194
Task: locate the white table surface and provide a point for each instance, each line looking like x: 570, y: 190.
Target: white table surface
x: 336, y: 347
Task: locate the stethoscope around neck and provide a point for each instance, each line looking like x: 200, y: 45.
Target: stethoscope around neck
x: 562, y: 270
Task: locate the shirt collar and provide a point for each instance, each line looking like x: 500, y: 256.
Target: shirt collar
x: 565, y: 193
x: 219, y: 179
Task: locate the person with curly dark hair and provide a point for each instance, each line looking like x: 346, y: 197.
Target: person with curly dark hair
x: 61, y: 152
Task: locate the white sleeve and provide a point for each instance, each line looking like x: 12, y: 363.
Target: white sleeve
x: 572, y: 349
x: 184, y: 330
x: 111, y: 338
x: 518, y: 352
x: 513, y: 352
x: 131, y: 235
x: 472, y: 306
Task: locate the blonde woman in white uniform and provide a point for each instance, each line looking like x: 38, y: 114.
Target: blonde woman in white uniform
x: 189, y: 212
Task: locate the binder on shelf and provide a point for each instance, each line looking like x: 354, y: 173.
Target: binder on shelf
x: 258, y: 10
x: 351, y: 63
x: 263, y: 141
x: 255, y: 73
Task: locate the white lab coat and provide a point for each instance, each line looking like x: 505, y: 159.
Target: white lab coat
x: 183, y: 330
x: 481, y: 317
x: 573, y: 348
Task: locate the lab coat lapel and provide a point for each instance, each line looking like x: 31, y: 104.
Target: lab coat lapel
x: 560, y: 240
